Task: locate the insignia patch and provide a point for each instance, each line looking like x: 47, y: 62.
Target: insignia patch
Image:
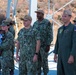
x: 66, y: 31
x: 74, y: 28
x: 60, y: 31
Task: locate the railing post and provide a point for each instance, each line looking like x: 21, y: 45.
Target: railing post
x: 8, y: 9
x: 32, y: 9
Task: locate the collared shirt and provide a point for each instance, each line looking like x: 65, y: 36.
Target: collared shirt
x: 27, y: 39
x: 46, y: 32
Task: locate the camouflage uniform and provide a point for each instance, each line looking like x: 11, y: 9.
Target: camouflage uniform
x: 2, y: 36
x: 6, y: 53
x: 2, y: 17
x: 11, y: 29
x: 27, y: 39
x: 46, y: 37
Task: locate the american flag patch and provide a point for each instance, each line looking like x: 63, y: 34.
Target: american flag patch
x: 75, y: 28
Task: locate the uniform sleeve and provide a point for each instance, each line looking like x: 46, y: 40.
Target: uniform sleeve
x: 37, y: 34
x: 7, y: 43
x: 49, y: 34
x: 19, y: 35
x: 11, y: 29
x: 73, y: 52
x: 56, y: 46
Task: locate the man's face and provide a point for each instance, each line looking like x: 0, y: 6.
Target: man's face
x: 40, y: 15
x: 5, y: 28
x: 65, y: 18
x: 27, y: 23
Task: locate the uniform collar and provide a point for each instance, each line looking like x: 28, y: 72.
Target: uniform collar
x: 65, y: 27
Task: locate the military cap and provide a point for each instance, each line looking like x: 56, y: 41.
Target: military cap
x: 4, y: 23
x: 74, y: 20
x: 39, y: 11
x: 27, y: 17
x: 67, y: 12
x: 8, y: 20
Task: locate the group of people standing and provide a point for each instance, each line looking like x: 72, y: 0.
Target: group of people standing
x: 33, y: 44
x: 40, y: 37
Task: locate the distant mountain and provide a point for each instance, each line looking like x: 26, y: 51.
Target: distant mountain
x: 23, y: 7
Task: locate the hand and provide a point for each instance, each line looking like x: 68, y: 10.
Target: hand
x: 17, y: 58
x: 47, y: 48
x: 35, y: 58
x: 71, y: 59
x: 55, y: 57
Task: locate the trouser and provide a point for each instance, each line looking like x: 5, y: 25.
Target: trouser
x: 12, y: 62
x: 5, y: 65
x: 63, y: 68
x: 0, y: 63
x: 75, y: 65
x: 27, y: 67
x: 12, y: 67
x: 43, y: 62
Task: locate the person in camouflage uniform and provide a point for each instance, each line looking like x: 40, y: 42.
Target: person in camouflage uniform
x: 10, y: 24
x: 11, y: 29
x: 6, y: 50
x: 46, y: 37
x: 65, y: 47
x: 29, y: 44
x: 2, y: 17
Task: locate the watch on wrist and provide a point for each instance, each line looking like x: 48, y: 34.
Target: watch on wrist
x: 36, y: 53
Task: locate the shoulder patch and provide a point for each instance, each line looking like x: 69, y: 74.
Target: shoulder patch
x: 61, y: 30
x: 74, y: 28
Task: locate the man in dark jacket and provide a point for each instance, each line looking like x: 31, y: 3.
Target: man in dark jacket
x: 75, y: 30
x: 65, y: 46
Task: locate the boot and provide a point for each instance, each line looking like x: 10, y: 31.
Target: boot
x: 11, y: 72
x: 45, y: 73
x: 39, y: 73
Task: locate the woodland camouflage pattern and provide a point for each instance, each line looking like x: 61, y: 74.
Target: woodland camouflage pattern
x: 27, y: 39
x: 6, y: 53
x: 46, y: 37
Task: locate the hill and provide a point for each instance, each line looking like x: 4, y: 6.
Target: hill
x: 23, y: 8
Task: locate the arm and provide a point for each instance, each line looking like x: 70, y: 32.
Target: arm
x: 37, y: 36
x: 49, y: 33
x: 17, y: 50
x: 18, y: 45
x: 35, y: 58
x: 73, y: 52
x: 56, y: 50
x: 7, y: 42
x: 37, y: 46
x: 56, y: 46
x: 49, y: 36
